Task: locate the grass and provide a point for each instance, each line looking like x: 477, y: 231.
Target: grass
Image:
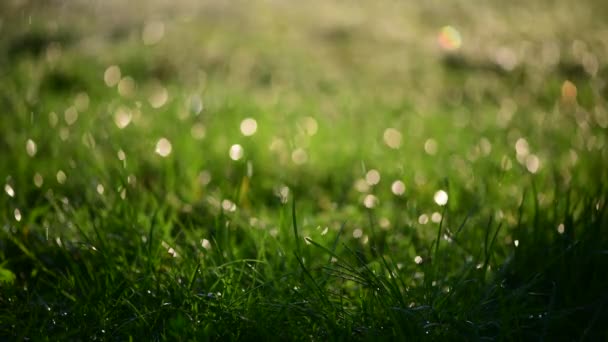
x: 327, y: 222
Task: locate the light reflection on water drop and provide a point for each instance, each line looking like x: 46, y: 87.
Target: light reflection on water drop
x: 17, y: 214
x: 441, y: 197
x: 372, y: 177
x: 61, y: 177
x: 163, y: 147
x: 38, y: 180
x: 30, y: 147
x: 398, y: 188
x: 299, y: 156
x: 248, y: 127
x: 9, y: 190
x: 112, y: 76
x: 392, y: 138
x: 236, y: 152
x: 370, y: 201
x: 70, y: 115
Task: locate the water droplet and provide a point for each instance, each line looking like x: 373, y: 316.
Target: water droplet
x: 30, y: 147
x: 436, y: 217
x: 441, y: 197
x: 372, y: 177
x: 430, y: 147
x: 112, y: 75
x: 17, y: 215
x: 126, y: 86
x: 370, y: 201
x: 38, y: 180
x: 248, y: 127
x: 310, y: 125
x: 532, y: 163
x: 398, y: 188
x: 392, y: 138
x: 153, y: 32
x: 9, y: 190
x: 70, y: 115
x: 228, y: 205
x: 163, y: 147
x: 158, y: 96
x: 236, y: 152
x: 61, y: 177
x: 299, y: 156
x: 122, y: 117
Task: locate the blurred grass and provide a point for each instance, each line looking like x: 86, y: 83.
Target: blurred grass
x: 117, y: 249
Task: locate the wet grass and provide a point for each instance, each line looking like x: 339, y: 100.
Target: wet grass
x: 148, y: 205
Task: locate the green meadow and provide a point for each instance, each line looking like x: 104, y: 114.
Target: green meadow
x: 323, y: 170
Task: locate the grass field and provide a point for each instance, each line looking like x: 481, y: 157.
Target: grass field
x: 303, y: 171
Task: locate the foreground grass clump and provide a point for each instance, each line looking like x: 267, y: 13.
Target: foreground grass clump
x: 323, y: 173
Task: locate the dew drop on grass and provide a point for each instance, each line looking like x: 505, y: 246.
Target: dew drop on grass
x: 61, y: 177
x: 532, y: 163
x: 163, y: 147
x: 122, y: 117
x: 38, y: 180
x: 372, y: 177
x: 228, y: 205
x: 81, y: 102
x: 436, y: 217
x: 361, y: 185
x: 9, y: 190
x: 248, y: 127
x: 126, y: 86
x: 153, y: 32
x: 70, y: 115
x: 398, y: 188
x: 392, y: 138
x: 430, y: 147
x: 441, y: 197
x: 299, y: 156
x: 30, y: 147
x: 17, y: 214
x: 196, y: 104
x: 158, y: 97
x: 370, y: 201
x: 310, y: 125
x: 112, y: 75
x: 236, y: 152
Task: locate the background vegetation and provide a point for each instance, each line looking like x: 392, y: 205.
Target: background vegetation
x: 303, y: 171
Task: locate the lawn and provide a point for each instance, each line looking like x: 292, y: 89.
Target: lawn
x: 324, y: 170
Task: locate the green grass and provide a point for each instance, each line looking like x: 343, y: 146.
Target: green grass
x: 104, y: 239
